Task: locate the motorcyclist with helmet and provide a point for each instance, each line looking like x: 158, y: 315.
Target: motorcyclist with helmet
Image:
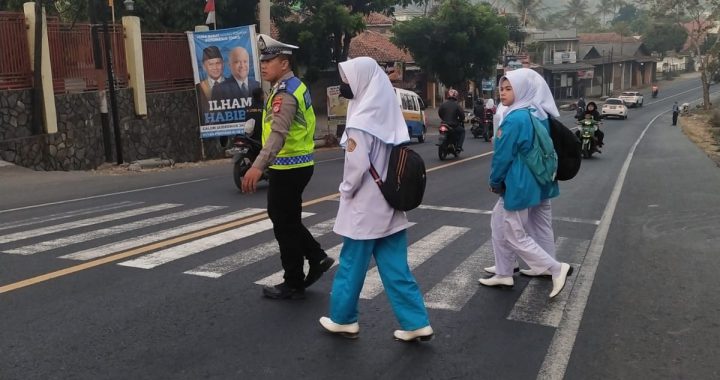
x: 591, y: 112
x: 452, y: 114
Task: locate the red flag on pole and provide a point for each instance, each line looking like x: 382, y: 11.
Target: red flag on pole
x: 210, y: 10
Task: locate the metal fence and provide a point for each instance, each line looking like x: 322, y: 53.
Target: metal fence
x: 15, y: 66
x: 166, y: 60
x: 73, y: 61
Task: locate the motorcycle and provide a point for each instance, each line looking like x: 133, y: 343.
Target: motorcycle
x: 244, y: 152
x: 587, y: 137
x: 447, y: 141
x: 483, y: 127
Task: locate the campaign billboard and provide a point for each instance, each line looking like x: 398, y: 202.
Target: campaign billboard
x: 226, y: 69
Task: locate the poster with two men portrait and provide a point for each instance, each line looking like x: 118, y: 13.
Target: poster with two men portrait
x: 226, y: 70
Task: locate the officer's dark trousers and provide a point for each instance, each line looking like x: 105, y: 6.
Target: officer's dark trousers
x: 675, y: 116
x: 285, y: 208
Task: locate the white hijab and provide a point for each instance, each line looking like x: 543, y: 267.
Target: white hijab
x: 489, y: 104
x: 374, y: 107
x: 531, y: 91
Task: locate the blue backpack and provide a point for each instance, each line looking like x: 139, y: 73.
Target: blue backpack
x: 542, y: 160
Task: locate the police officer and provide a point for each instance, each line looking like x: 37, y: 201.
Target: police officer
x: 288, y: 130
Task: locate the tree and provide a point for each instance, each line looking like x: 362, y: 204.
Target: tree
x: 663, y: 37
x: 324, y: 28
x: 574, y: 10
x: 698, y: 12
x: 460, y: 42
x: 528, y: 10
x: 603, y: 9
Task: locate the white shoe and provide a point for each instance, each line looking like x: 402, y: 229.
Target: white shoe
x: 348, y: 331
x: 421, y: 334
x: 497, y: 281
x: 532, y: 273
x: 491, y: 269
x: 559, y: 281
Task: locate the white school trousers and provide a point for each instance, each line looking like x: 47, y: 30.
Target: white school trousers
x: 526, y: 233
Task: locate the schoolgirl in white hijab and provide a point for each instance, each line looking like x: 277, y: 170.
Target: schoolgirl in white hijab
x: 369, y: 226
x: 521, y: 220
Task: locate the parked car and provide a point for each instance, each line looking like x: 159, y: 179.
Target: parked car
x: 614, y: 107
x: 632, y: 98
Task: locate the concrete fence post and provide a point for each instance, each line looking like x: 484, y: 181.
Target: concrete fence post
x: 134, y: 61
x: 48, y: 102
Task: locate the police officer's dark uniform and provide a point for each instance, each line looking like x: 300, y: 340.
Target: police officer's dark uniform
x: 288, y: 130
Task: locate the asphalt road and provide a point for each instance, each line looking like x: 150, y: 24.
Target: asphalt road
x: 157, y: 275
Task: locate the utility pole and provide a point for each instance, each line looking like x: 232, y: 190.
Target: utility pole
x: 111, y: 80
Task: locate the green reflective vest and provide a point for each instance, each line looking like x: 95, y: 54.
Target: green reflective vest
x: 299, y: 142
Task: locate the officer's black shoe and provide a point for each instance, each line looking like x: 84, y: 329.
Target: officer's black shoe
x: 317, y: 269
x: 283, y: 292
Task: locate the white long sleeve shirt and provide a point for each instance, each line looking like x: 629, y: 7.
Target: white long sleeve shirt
x: 364, y: 214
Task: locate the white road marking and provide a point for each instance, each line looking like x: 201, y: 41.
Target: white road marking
x: 180, y: 251
x: 456, y: 289
x: 228, y: 264
x: 104, y: 195
x: 66, y: 215
x: 97, y: 234
x: 489, y: 212
x: 277, y: 277
x: 83, y: 223
x: 571, y: 250
x: 558, y: 355
x: 333, y: 252
x: 153, y: 237
x: 534, y: 306
x: 418, y: 253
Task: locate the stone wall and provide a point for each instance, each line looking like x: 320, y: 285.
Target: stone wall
x: 77, y: 145
x: 170, y: 130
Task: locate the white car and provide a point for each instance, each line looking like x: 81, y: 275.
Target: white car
x: 614, y: 107
x: 632, y: 98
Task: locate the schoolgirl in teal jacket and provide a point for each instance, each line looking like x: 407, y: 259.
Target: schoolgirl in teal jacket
x: 509, y: 176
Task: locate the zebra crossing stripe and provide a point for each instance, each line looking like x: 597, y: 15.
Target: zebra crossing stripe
x: 418, y: 253
x: 570, y: 250
x: 456, y: 289
x: 66, y: 215
x: 221, y: 267
x: 277, y: 277
x: 534, y: 306
x: 79, y: 238
x: 83, y: 223
x: 178, y: 252
x: 333, y: 252
x: 153, y: 237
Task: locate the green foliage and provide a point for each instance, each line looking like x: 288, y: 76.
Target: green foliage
x: 575, y: 10
x: 460, y: 42
x: 324, y: 28
x: 665, y: 37
x: 528, y: 10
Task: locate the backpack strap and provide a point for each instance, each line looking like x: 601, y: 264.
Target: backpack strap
x: 375, y: 175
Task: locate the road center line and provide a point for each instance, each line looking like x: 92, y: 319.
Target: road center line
x: 558, y: 355
x: 165, y: 243
x: 104, y: 195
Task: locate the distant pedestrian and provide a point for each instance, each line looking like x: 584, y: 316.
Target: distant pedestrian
x: 521, y: 222
x: 676, y: 112
x: 370, y: 227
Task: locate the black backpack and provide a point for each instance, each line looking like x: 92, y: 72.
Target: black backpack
x: 404, y: 186
x: 568, y: 149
